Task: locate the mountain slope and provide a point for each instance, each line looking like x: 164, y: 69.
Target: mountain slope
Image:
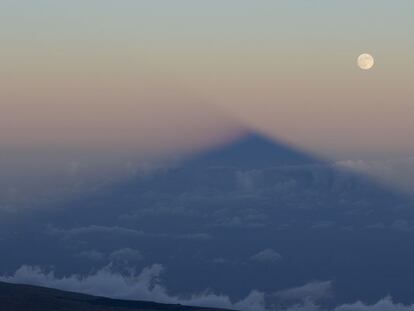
x: 16, y: 297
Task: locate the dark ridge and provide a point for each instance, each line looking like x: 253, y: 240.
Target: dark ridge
x: 18, y: 297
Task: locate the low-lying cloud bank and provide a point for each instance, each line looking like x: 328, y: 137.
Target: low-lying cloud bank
x: 385, y: 304
x: 143, y: 286
x: 147, y: 285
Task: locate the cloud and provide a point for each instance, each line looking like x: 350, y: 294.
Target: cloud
x: 326, y: 224
x: 396, y: 172
x: 402, y: 225
x: 288, y: 198
x: 143, y: 286
x: 267, y: 256
x: 385, y: 304
x: 309, y: 292
x: 92, y: 255
x: 147, y: 286
x: 247, y: 180
x: 121, y: 257
x: 125, y: 256
x: 126, y: 232
x: 94, y: 229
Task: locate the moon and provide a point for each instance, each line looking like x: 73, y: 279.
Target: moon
x: 365, y: 61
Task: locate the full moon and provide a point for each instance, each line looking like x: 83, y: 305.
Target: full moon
x: 365, y: 61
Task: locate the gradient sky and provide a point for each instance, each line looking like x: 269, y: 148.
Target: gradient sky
x: 158, y: 75
x: 93, y: 93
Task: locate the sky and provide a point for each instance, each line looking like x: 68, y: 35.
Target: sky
x: 173, y: 76
x: 235, y: 140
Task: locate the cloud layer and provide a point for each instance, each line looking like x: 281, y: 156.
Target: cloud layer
x: 147, y: 285
x: 143, y: 286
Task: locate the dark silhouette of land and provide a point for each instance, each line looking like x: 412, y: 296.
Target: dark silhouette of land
x: 17, y: 297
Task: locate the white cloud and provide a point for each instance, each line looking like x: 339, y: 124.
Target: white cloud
x: 385, y: 304
x: 267, y: 255
x: 312, y: 291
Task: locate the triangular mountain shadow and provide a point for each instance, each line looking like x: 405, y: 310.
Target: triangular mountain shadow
x: 261, y: 197
x: 253, y: 162
x: 219, y: 169
x: 251, y: 151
